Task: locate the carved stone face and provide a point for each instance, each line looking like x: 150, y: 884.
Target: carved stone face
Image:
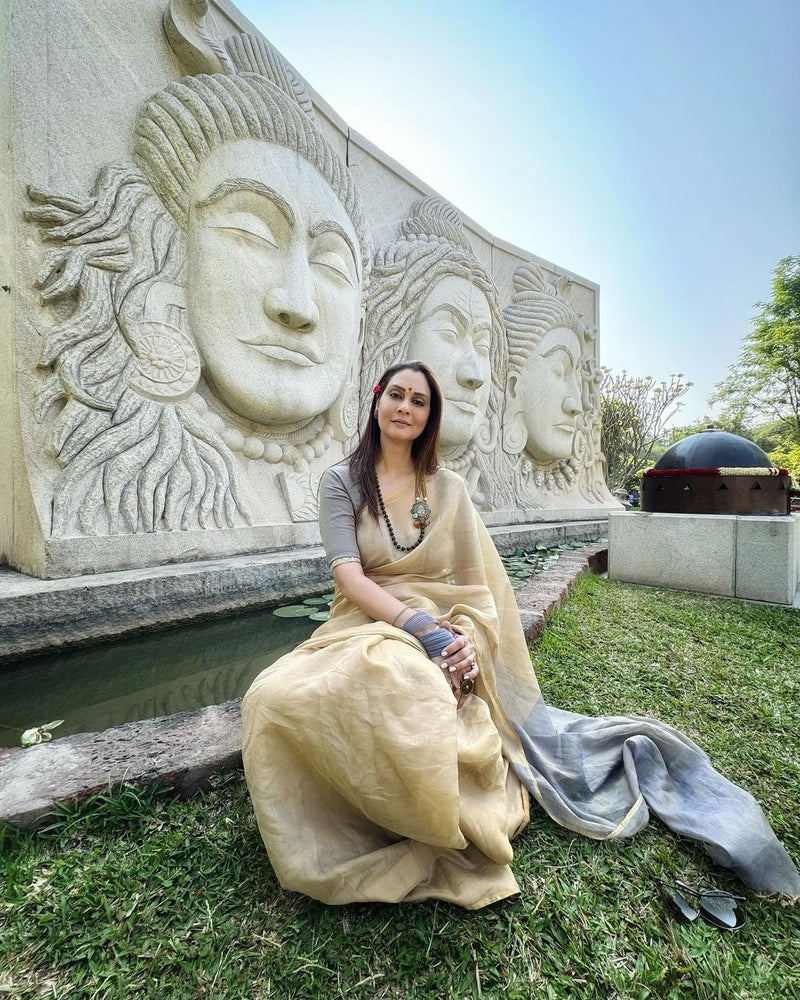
x: 549, y: 391
x: 452, y: 333
x: 273, y: 284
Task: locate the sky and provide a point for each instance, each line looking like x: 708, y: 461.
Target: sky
x: 651, y: 146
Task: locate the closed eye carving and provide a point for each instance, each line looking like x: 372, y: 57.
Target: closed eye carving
x: 333, y: 250
x: 251, y: 226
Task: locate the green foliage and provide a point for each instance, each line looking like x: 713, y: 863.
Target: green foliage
x: 789, y: 459
x: 765, y: 381
x: 777, y: 435
x: 140, y: 896
x: 634, y: 413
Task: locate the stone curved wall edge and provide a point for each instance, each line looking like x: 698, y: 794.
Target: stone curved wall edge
x: 230, y: 11
x: 233, y: 14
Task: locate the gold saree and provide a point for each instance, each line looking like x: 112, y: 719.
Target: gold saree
x: 367, y: 782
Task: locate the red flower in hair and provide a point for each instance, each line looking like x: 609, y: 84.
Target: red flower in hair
x: 376, y: 388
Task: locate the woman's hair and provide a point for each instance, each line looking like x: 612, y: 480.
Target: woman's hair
x: 424, y: 449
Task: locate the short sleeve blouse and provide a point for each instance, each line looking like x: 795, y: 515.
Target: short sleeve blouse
x: 339, y: 503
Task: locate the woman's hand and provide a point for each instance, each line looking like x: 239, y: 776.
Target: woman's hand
x: 459, y: 663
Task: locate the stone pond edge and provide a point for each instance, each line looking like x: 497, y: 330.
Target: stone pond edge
x: 182, y: 751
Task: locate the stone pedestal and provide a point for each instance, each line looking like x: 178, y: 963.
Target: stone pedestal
x: 755, y: 558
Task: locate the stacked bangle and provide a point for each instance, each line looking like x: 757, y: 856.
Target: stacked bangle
x: 434, y: 640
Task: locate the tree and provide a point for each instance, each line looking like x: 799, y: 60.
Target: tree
x: 765, y: 381
x: 789, y: 459
x: 634, y: 414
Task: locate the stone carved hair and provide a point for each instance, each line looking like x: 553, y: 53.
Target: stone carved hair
x: 181, y: 125
x: 535, y: 309
x: 134, y: 455
x: 432, y: 246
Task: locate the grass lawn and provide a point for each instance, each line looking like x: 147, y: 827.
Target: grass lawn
x: 141, y: 895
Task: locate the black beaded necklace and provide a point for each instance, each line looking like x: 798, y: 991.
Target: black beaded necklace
x: 420, y: 513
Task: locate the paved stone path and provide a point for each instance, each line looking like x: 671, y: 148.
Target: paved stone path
x: 181, y: 751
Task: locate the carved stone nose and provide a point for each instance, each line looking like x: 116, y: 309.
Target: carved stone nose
x: 572, y: 400
x: 295, y: 312
x: 470, y: 377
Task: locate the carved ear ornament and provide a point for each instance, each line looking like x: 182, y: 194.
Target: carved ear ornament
x: 515, y: 433
x: 167, y: 367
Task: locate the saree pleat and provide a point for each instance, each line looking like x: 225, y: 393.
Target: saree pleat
x: 368, y: 784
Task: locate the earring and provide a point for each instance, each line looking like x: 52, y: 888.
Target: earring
x: 485, y: 438
x: 515, y: 433
x: 167, y: 365
x: 343, y: 413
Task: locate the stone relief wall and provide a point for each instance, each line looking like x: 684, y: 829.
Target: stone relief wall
x: 218, y: 287
x: 212, y: 313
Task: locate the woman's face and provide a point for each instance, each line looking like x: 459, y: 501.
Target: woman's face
x: 452, y: 335
x: 274, y: 283
x: 549, y: 390
x: 404, y: 406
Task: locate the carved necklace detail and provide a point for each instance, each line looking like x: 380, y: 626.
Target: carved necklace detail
x: 458, y: 460
x: 298, y: 449
x: 420, y: 515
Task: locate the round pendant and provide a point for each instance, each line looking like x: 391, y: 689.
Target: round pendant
x: 420, y: 513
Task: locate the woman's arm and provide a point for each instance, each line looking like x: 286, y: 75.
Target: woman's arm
x: 457, y: 659
x: 337, y: 525
x: 369, y: 596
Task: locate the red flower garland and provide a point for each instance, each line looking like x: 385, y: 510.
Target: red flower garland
x: 702, y: 472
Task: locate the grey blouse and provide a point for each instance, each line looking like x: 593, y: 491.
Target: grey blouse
x: 339, y: 503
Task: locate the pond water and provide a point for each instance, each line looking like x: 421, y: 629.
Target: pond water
x: 146, y: 676
x: 175, y: 669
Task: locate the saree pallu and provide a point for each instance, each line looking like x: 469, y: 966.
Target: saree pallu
x: 369, y: 785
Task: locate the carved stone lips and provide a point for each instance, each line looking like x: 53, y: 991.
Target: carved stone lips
x: 306, y: 358
x: 462, y: 404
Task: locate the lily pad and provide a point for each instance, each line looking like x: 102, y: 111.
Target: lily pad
x: 320, y: 616
x: 293, y: 611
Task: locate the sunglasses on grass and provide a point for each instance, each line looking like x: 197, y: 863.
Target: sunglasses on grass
x: 715, y: 906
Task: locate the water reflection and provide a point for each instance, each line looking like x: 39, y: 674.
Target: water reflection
x: 160, y: 673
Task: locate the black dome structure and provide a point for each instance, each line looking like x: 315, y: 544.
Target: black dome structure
x: 713, y: 449
x: 714, y: 472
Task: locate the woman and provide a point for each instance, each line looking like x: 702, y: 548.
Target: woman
x: 374, y: 773
x: 391, y: 755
